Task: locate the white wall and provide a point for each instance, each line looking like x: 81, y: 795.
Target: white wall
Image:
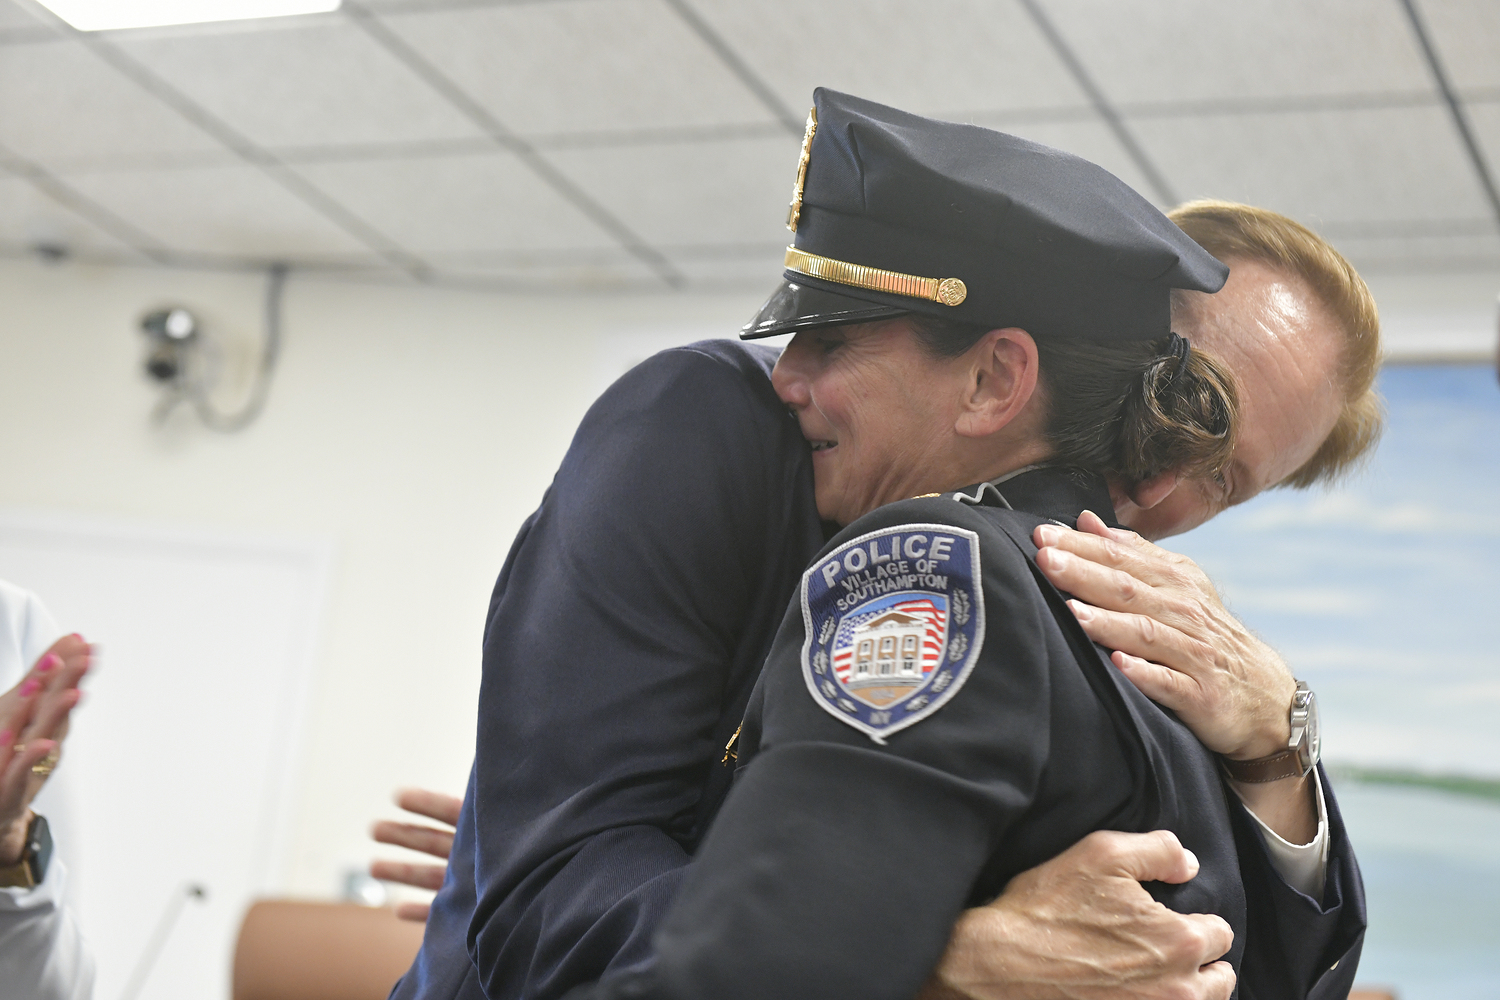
x: 412, y: 428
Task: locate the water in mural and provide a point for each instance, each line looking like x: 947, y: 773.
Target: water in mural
x: 1384, y: 595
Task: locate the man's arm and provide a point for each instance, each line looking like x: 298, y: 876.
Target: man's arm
x: 610, y: 651
x: 1081, y: 926
x: 1175, y: 641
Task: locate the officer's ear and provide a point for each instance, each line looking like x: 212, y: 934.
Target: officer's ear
x: 1001, y: 382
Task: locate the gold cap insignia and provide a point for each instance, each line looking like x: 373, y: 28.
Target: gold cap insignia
x: 795, y: 212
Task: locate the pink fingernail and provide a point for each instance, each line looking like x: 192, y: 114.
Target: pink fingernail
x: 47, y: 663
x: 7, y: 739
x: 28, y: 688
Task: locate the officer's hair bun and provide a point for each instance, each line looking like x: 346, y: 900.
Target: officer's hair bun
x: 1136, y: 409
x: 1179, y: 414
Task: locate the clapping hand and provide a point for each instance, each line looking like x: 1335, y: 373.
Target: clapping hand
x: 33, y: 723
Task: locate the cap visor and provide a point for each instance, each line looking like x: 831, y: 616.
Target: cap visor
x: 795, y: 306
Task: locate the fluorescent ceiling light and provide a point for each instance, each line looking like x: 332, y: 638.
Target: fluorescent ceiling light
x: 104, y: 15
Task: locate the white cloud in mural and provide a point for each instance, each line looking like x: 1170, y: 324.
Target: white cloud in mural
x: 1347, y: 510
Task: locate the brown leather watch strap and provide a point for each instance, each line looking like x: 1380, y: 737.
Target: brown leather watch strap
x: 1287, y: 764
x: 18, y: 875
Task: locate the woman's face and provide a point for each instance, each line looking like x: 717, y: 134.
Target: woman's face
x: 878, y: 411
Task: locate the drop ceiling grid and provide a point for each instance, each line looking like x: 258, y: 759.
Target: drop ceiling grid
x: 62, y: 106
x: 946, y: 58
x: 1420, y: 252
x: 600, y: 83
x: 581, y: 273
x: 683, y: 193
x: 234, y: 211
x: 1376, y: 165
x: 1467, y: 36
x: 29, y: 218
x: 326, y: 83
x: 582, y: 65
x: 1484, y: 119
x: 459, y: 204
x: 1195, y: 51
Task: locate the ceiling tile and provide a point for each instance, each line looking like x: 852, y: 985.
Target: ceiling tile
x: 459, y: 203
x: 29, y: 218
x: 1466, y: 252
x: 1484, y: 119
x: 692, y: 193
x: 13, y: 15
x: 234, y: 211
x: 1466, y: 34
x: 950, y: 58
x: 1320, y: 167
x: 585, y: 275
x: 325, y: 83
x: 1189, y: 50
x: 582, y: 65
x: 61, y: 105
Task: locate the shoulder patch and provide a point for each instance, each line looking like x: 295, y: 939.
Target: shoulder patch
x: 894, y: 621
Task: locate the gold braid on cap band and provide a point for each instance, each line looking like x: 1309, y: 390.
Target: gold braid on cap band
x: 948, y: 291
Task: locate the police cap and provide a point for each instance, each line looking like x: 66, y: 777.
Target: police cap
x: 897, y: 214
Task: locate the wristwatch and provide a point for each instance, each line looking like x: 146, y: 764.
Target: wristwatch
x: 1303, y: 748
x: 32, y: 868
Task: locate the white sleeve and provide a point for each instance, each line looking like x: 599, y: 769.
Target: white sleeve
x: 1304, y: 866
x: 42, y: 953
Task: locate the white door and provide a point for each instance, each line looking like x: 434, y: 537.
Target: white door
x: 180, y: 768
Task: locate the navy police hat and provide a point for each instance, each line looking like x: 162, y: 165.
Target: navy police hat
x: 898, y: 214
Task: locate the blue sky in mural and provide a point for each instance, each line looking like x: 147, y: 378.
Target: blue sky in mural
x: 1384, y: 593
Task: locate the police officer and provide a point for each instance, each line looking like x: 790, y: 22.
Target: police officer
x: 633, y: 615
x: 932, y: 719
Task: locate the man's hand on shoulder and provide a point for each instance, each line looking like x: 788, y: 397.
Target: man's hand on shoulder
x: 1172, y: 636
x: 1081, y: 927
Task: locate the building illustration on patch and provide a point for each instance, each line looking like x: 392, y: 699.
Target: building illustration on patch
x: 883, y: 657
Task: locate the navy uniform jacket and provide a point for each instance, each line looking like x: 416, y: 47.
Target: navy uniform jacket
x: 625, y: 633
x: 931, y: 722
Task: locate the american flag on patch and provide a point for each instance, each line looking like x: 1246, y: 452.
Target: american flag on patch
x: 926, y: 609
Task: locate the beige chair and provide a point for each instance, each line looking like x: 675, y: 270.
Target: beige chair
x: 1371, y: 993
x: 294, y: 950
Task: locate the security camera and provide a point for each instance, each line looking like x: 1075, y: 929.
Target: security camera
x: 175, y: 324
x: 170, y: 332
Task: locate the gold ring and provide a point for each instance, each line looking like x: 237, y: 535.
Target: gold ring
x: 44, y: 767
x: 19, y: 748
